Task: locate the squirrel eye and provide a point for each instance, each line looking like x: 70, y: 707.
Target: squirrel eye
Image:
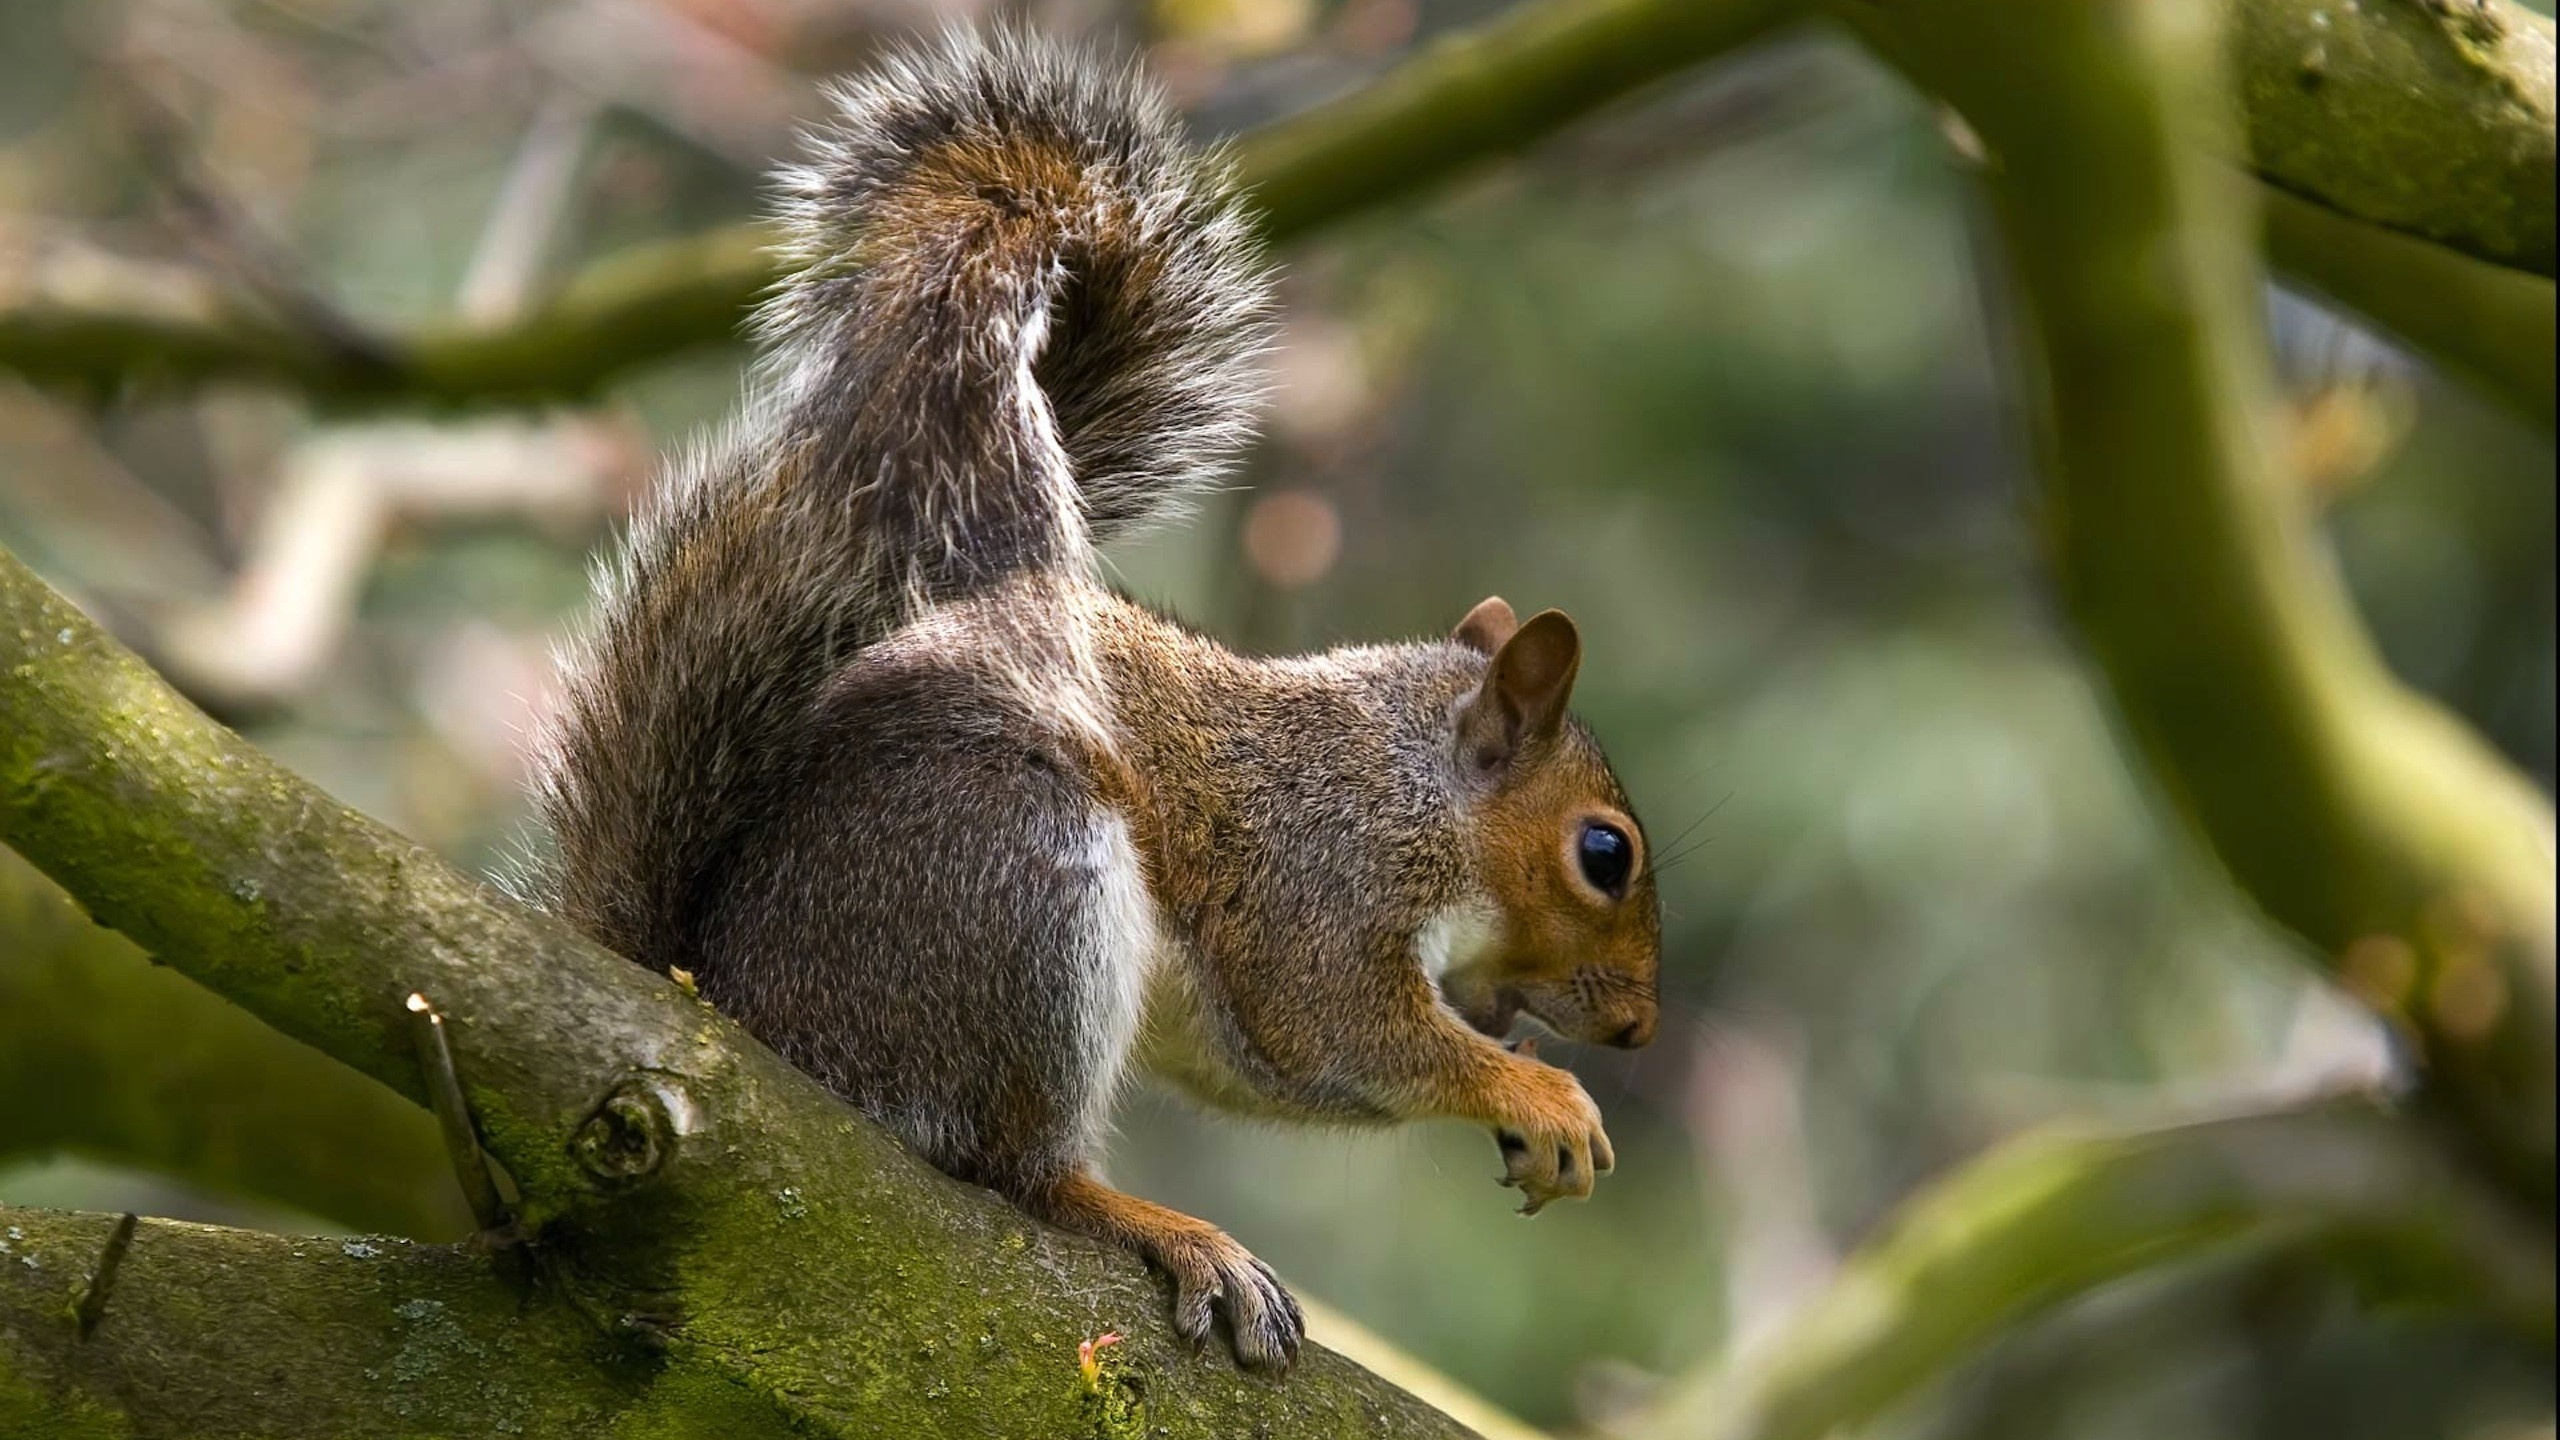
x: 1607, y: 855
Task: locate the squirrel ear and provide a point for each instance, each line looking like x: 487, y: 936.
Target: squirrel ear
x: 1487, y: 626
x: 1525, y: 690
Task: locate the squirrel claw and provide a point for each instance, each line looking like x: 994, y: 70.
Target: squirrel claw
x: 1554, y: 1151
x: 1215, y: 1277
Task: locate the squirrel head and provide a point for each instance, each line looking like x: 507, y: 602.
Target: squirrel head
x: 1576, y: 938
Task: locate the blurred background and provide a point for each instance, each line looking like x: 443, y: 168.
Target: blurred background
x: 1716, y: 372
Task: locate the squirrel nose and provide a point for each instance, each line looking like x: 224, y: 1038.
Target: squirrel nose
x: 1635, y: 1035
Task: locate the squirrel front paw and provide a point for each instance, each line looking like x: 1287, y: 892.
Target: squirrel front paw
x: 1553, y: 1146
x: 1212, y: 1274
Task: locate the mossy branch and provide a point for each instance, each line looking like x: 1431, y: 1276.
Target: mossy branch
x: 106, y: 1055
x: 2431, y: 118
x: 206, y: 1331
x: 693, y: 1197
x: 2406, y: 149
x: 2049, y: 1218
x: 193, y: 1330
x: 2401, y: 116
x: 2412, y: 857
x: 1479, y: 95
x: 176, y: 832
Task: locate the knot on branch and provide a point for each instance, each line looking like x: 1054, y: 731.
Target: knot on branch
x: 633, y: 1133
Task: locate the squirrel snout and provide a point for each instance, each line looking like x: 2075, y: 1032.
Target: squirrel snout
x: 1635, y: 1034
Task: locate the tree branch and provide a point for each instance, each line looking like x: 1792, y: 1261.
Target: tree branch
x: 694, y: 1196
x: 208, y: 1331
x: 2355, y: 812
x: 2485, y: 323
x: 2407, y: 152
x: 181, y: 835
x: 106, y: 1055
x: 2404, y: 88
x: 2432, y: 118
x: 103, y: 1054
x: 2047, y: 1219
x: 1481, y: 94
x: 393, y: 1338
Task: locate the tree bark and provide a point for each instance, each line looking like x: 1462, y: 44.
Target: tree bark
x: 2432, y: 118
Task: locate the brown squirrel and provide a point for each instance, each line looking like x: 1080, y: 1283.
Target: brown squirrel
x: 860, y: 742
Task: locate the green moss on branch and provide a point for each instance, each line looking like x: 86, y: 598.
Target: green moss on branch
x: 2428, y: 118
x: 204, y: 1332
x: 105, y: 1055
x: 175, y: 831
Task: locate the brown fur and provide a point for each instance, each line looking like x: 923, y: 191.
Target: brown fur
x: 858, y: 741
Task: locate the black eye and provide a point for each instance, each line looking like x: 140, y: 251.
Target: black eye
x: 1607, y: 855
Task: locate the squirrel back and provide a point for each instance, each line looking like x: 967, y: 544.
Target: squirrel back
x: 1018, y: 320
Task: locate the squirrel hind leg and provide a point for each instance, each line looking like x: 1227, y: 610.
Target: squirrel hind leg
x: 1214, y: 1277
x: 941, y: 923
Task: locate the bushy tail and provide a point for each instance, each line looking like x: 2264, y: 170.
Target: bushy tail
x: 1019, y: 319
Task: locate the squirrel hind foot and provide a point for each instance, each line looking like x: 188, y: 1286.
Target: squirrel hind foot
x: 1214, y: 1277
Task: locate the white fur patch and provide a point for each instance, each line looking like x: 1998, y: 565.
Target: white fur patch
x: 1122, y: 946
x: 1457, y: 937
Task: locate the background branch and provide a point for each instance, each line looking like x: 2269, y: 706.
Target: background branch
x: 2374, y: 824
x: 1478, y: 95
x: 72, y: 322
x: 2485, y: 323
x: 2046, y: 1219
x: 2433, y: 120
x: 2400, y: 90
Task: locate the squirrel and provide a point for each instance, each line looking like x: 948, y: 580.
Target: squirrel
x: 857, y: 738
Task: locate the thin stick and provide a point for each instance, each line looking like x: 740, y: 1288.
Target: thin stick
x: 453, y: 1113
x: 92, y: 1305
